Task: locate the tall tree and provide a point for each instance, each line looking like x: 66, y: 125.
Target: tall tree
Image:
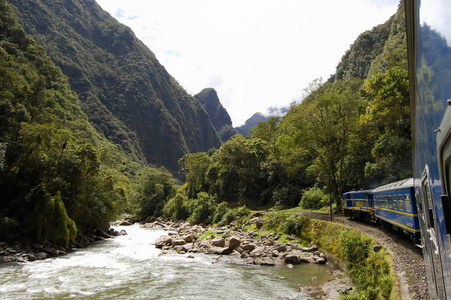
x: 388, y: 120
x: 320, y: 129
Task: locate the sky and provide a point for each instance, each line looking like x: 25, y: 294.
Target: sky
x: 256, y: 54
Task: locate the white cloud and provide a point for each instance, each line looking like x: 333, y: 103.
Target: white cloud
x: 255, y: 53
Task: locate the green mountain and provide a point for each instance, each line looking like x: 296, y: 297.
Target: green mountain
x: 218, y: 114
x: 127, y: 94
x: 376, y: 50
x: 58, y: 175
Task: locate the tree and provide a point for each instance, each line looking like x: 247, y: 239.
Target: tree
x: 388, y: 120
x: 319, y: 130
x: 155, y: 188
x: 196, y: 166
x: 239, y: 162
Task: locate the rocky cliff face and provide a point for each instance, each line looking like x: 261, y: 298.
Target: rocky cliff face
x: 126, y: 93
x: 218, y: 114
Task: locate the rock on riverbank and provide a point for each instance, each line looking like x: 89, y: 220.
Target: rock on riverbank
x: 231, y: 240
x: 24, y: 252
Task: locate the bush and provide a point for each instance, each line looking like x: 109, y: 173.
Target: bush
x: 236, y: 214
x: 203, y: 209
x: 371, y: 271
x: 314, y: 198
x: 177, y: 208
x: 221, y: 211
x: 286, y: 196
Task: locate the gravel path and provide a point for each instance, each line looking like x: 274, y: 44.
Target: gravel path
x: 408, y: 259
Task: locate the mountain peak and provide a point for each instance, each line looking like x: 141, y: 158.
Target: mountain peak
x: 219, y: 116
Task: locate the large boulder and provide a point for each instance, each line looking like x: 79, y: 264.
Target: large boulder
x: 265, y: 261
x: 178, y: 242
x: 188, y: 238
x: 234, y: 243
x: 257, y: 252
x: 248, y: 247
x: 163, y: 241
x: 220, y: 250
x: 41, y: 255
x: 294, y: 258
x: 218, y: 242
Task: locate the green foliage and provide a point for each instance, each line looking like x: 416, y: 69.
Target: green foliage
x: 177, y: 208
x: 57, y: 175
x: 221, y: 211
x: 127, y: 94
x: 203, y: 209
x: 51, y: 219
x: 388, y: 125
x: 196, y: 166
x: 240, y: 162
x: 314, y: 198
x: 376, y: 50
x: 156, y: 187
x: 319, y: 130
x: 371, y: 271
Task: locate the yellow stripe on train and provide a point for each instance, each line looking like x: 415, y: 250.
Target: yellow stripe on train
x: 398, y: 224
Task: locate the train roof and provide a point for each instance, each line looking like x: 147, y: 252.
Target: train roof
x: 398, y: 185
x: 359, y: 192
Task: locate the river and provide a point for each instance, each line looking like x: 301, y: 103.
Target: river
x: 130, y: 267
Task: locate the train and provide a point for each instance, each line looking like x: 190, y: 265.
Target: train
x: 429, y: 64
x: 421, y: 206
x: 392, y: 205
x: 428, y: 38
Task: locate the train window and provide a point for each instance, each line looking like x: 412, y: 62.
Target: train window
x: 385, y: 201
x: 395, y: 202
x: 428, y: 197
x: 408, y: 203
x: 390, y: 203
x: 401, y: 202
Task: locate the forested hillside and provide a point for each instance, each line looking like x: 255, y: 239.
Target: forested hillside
x: 376, y: 50
x: 125, y: 92
x: 57, y: 174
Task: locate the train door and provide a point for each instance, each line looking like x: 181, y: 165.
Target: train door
x: 427, y: 219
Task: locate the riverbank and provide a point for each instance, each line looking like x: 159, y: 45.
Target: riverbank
x: 245, y: 245
x: 23, y: 252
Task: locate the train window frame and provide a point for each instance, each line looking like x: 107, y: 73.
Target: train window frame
x: 401, y: 202
x: 395, y: 202
x: 408, y: 203
x: 427, y: 194
x: 385, y: 201
x: 390, y: 202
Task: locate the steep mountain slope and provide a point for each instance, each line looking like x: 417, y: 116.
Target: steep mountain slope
x: 376, y: 50
x: 58, y: 175
x: 126, y: 93
x: 218, y: 114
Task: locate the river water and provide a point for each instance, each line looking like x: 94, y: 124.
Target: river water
x: 130, y: 267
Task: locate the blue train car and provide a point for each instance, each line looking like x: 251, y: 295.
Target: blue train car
x: 359, y: 205
x: 429, y: 55
x: 395, y: 204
